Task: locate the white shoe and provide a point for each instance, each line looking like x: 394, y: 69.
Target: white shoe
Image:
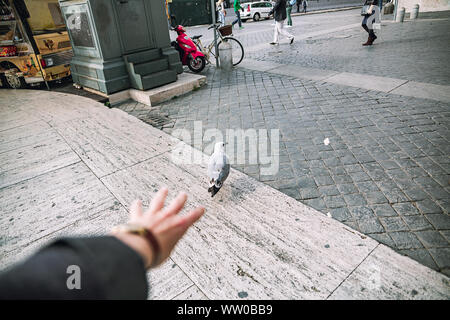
x: 288, y: 26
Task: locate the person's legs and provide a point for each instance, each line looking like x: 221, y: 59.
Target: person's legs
x: 238, y: 19
x: 372, y: 35
x: 276, y: 31
x: 284, y: 31
x: 221, y: 18
x: 364, y: 24
x: 288, y: 13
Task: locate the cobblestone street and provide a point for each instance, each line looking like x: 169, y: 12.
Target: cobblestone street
x: 386, y: 170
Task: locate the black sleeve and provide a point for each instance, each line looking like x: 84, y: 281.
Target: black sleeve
x: 109, y: 269
x: 375, y: 3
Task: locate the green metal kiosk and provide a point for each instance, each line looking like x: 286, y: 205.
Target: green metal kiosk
x: 120, y: 44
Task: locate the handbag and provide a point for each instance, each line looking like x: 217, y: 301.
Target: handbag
x: 365, y: 8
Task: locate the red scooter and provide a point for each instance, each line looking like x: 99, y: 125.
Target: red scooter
x: 189, y: 55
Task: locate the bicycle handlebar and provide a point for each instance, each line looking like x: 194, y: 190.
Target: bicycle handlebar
x: 214, y: 26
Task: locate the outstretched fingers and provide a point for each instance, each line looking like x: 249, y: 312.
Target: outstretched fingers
x: 176, y: 205
x: 136, y: 209
x: 183, y: 222
x: 158, y: 201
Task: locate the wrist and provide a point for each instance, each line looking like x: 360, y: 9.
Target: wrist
x: 138, y: 244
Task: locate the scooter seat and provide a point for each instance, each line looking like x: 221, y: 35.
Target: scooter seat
x: 197, y: 37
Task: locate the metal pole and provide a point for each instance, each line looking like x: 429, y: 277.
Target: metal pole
x: 213, y: 13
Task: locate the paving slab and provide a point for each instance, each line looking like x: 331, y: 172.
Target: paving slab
x: 384, y: 273
x: 364, y: 81
x: 259, y: 65
x: 48, y: 202
x: 424, y: 90
x: 44, y: 155
x: 304, y: 73
x: 110, y: 141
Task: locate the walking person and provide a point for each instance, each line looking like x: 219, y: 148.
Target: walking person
x: 290, y: 4
x: 305, y: 5
x: 237, y: 8
x: 279, y: 13
x: 370, y: 11
x: 222, y: 12
x: 299, y: 2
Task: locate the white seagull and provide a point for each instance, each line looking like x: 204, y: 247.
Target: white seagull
x: 218, y: 168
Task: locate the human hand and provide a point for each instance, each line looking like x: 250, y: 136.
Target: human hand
x: 164, y: 223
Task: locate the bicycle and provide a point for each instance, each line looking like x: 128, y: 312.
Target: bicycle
x: 223, y: 35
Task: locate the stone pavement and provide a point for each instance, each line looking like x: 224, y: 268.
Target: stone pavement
x: 71, y: 166
x: 386, y: 171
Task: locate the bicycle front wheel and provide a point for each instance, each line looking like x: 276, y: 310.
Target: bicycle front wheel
x: 237, y: 49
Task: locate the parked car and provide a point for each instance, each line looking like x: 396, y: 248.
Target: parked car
x: 256, y: 10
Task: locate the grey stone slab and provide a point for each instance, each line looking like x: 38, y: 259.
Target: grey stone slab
x: 355, y: 199
x: 362, y: 212
x: 303, y: 72
x: 428, y: 206
x: 431, y: 239
x: 422, y: 255
x: 405, y: 240
x: 405, y: 209
x: 442, y: 257
x: 384, y: 210
x: 375, y: 197
x: 375, y: 277
x: 366, y: 81
x: 424, y: 90
x: 260, y: 65
x: 341, y: 214
x: 347, y: 188
x: 383, y: 238
x: 394, y: 224
x: 334, y: 201
x: 48, y: 203
x: 417, y: 222
x: 440, y: 221
x: 370, y: 225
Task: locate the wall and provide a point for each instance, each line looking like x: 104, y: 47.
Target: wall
x: 425, y: 5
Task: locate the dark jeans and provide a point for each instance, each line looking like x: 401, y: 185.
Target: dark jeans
x: 364, y: 25
x: 238, y: 19
x: 298, y: 6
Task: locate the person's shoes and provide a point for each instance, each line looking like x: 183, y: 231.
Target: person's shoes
x: 292, y: 40
x: 241, y: 28
x: 368, y: 42
x: 288, y: 26
x: 274, y: 43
